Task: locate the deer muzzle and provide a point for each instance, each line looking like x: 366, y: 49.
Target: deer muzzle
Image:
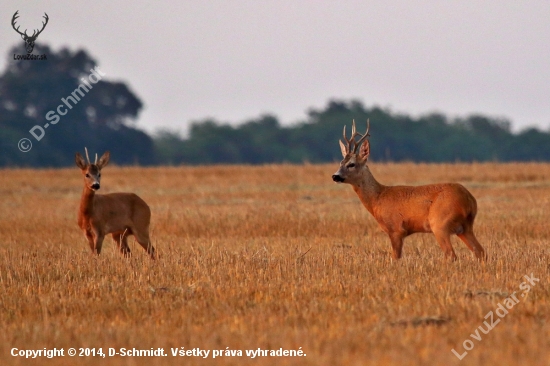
x: 337, y: 178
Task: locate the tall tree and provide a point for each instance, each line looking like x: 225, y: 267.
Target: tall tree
x: 67, y: 104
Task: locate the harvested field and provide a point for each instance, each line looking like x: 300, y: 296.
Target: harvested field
x: 271, y: 257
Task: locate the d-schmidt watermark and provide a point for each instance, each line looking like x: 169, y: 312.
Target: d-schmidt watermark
x: 54, y: 116
x: 29, y: 40
x: 501, y: 311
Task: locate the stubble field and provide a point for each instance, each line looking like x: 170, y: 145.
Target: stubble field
x: 273, y: 257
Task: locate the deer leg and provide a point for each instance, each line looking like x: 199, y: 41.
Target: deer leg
x: 98, y: 243
x: 471, y: 242
x: 444, y: 240
x: 397, y: 244
x: 145, y: 242
x: 125, y: 249
x: 122, y: 243
x: 90, y: 238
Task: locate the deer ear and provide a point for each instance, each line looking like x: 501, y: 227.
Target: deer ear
x: 80, y: 162
x: 104, y: 160
x: 343, y: 148
x: 364, y: 151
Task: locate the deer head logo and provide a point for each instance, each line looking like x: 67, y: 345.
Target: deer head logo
x: 29, y: 40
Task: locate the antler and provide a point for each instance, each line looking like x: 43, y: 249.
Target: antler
x: 87, y: 156
x: 352, y: 144
x: 34, y: 34
x: 13, y: 19
x: 43, y: 26
x: 363, y: 136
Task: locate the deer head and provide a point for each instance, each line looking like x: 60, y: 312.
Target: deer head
x: 354, y: 162
x: 92, y: 172
x: 29, y: 40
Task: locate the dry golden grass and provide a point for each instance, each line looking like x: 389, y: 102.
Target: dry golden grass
x: 270, y: 257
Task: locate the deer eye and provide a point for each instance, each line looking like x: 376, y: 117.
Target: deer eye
x: 87, y: 175
x: 99, y: 175
x: 351, y: 165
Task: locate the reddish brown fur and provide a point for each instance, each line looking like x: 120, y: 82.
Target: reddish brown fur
x: 118, y: 214
x: 442, y: 209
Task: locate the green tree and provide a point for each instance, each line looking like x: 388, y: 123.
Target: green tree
x: 395, y: 137
x: 100, y: 117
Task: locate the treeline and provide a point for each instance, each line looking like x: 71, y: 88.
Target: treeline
x: 394, y: 137
x: 103, y: 116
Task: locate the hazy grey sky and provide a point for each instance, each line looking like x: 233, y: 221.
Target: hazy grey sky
x: 237, y: 59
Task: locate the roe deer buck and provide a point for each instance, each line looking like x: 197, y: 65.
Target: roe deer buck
x: 118, y: 214
x: 442, y: 209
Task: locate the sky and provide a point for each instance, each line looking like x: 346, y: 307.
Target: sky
x: 234, y: 60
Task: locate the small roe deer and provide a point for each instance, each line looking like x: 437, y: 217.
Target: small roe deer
x: 442, y: 209
x: 118, y: 214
